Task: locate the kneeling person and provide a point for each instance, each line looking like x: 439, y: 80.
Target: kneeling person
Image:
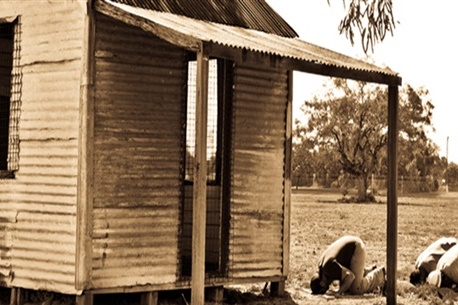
x: 344, y: 260
x: 446, y: 273
x: 428, y: 259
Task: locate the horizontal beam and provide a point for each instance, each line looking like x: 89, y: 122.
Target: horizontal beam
x: 275, y: 61
x: 193, y: 44
x: 186, y: 284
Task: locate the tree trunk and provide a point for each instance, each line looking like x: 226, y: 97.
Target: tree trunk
x: 362, y: 188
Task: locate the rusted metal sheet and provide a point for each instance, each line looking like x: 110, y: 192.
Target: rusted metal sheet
x: 43, y: 252
x: 38, y: 206
x: 51, y: 32
x: 138, y: 134
x: 258, y: 172
x: 188, y: 33
x: 7, y: 221
x: 250, y: 14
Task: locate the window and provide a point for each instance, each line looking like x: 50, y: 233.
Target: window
x: 220, y: 83
x: 9, y: 97
x: 213, y: 134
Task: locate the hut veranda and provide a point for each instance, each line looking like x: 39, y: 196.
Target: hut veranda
x: 146, y: 145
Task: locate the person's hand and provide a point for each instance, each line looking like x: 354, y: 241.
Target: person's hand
x: 334, y: 293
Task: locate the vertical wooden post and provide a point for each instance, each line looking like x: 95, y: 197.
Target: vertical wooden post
x: 85, y: 160
x: 199, y: 209
x: 14, y: 296
x: 278, y: 288
x: 392, y: 195
x: 85, y: 299
x: 149, y: 298
x: 287, y: 190
x: 215, y: 294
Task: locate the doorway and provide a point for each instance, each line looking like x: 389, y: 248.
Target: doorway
x: 218, y: 168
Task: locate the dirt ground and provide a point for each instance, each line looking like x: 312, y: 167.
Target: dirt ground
x: 317, y: 219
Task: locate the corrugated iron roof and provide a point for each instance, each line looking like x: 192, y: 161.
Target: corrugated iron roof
x: 249, y: 14
x: 191, y: 33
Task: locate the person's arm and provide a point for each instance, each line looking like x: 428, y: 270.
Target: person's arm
x: 346, y: 280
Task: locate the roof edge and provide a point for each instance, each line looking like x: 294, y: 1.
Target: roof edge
x: 286, y: 53
x: 165, y: 33
x: 275, y: 61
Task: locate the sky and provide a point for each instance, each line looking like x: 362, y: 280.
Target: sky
x: 423, y: 50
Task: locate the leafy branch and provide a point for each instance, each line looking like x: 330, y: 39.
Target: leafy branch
x: 373, y: 19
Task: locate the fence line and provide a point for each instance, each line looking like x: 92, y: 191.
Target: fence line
x: 376, y: 184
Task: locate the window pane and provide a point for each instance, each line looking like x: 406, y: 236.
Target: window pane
x: 212, y: 126
x: 6, y: 65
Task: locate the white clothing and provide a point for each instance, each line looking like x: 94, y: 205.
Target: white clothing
x: 448, y: 264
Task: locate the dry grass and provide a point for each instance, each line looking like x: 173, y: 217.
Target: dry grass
x: 317, y: 219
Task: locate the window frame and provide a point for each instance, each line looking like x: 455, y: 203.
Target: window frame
x: 220, y: 102
x: 14, y: 99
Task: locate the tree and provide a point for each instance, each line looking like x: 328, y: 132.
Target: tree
x: 371, y: 18
x: 418, y: 156
x: 451, y: 175
x: 418, y: 153
x: 351, y: 117
x: 353, y: 120
x: 310, y: 160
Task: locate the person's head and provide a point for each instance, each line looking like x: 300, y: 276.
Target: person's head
x: 415, y: 277
x: 435, y: 278
x: 315, y: 285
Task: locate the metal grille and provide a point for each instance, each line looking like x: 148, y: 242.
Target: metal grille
x: 212, y: 126
x: 213, y: 221
x: 10, y: 88
x: 15, y: 103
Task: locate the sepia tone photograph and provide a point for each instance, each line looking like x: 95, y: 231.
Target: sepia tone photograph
x: 233, y: 152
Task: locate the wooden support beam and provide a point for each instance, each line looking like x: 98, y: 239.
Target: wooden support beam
x: 392, y: 194
x: 85, y: 157
x: 199, y: 209
x: 270, y: 60
x: 19, y: 296
x: 287, y: 176
x: 215, y: 294
x: 85, y: 299
x: 149, y: 298
x: 277, y: 288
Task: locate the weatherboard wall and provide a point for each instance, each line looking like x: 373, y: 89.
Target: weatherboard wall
x: 38, y: 206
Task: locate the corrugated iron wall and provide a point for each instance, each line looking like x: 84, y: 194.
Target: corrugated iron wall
x: 38, y: 207
x: 139, y: 120
x: 260, y: 100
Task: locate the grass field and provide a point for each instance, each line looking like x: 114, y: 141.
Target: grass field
x: 317, y: 219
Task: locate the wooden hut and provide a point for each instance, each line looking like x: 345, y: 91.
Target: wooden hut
x: 146, y: 145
